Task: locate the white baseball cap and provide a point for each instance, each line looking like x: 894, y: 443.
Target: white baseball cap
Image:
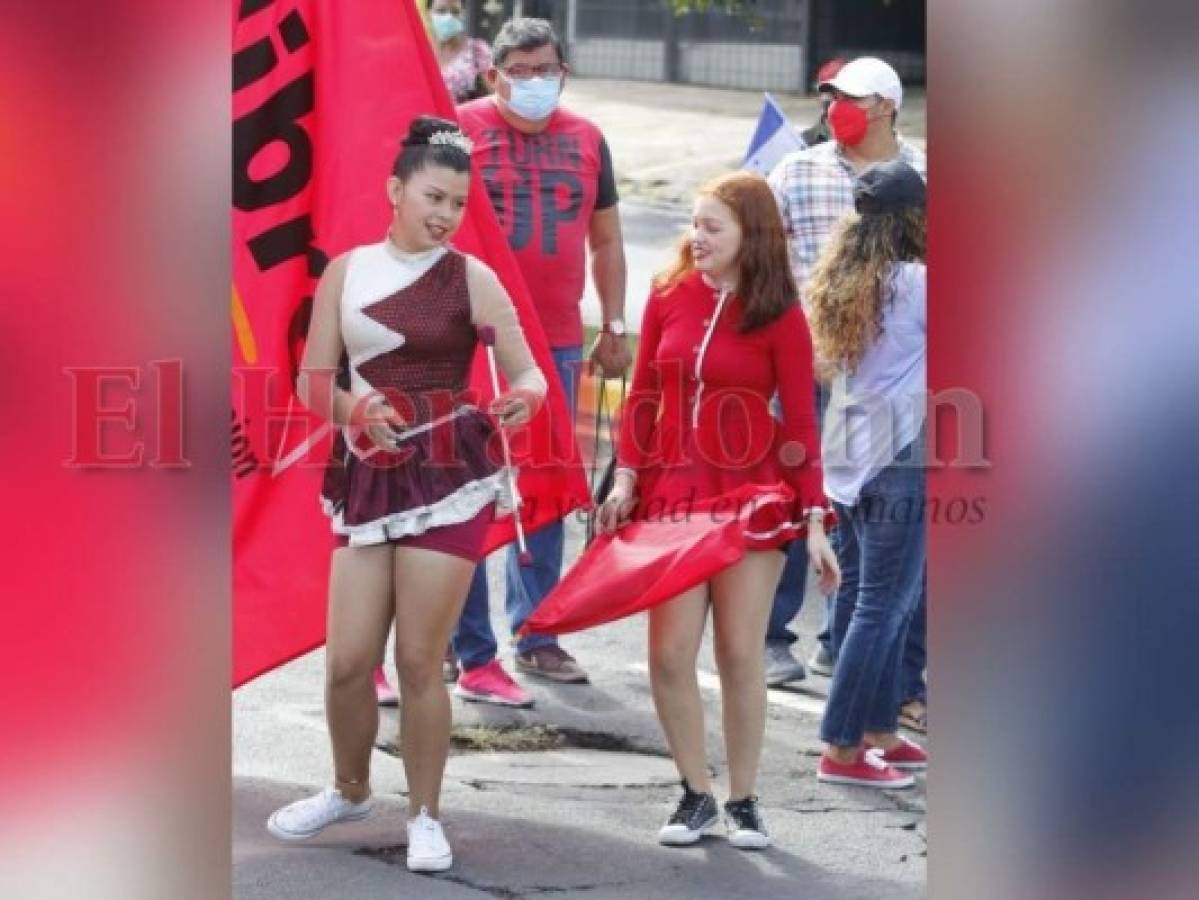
x: 865, y: 76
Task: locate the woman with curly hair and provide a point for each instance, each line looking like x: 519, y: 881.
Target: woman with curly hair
x: 867, y: 311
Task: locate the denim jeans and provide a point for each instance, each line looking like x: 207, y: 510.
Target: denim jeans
x: 474, y: 641
x: 915, y: 650
x: 882, y: 554
x: 788, y: 596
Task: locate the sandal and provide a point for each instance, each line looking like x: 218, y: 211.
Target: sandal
x: 914, y: 715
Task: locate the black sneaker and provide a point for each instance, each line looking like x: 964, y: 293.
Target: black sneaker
x: 695, y: 814
x: 747, y: 831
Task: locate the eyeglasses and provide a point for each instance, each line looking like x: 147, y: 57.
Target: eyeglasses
x: 524, y: 73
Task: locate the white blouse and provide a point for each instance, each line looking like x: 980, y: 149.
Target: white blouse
x: 878, y: 409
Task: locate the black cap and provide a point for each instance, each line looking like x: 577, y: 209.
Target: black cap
x: 888, y: 187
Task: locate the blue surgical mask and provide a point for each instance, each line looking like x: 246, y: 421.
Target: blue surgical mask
x: 446, y: 26
x: 535, y: 98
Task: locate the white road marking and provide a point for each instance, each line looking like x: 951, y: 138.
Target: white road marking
x: 710, y: 681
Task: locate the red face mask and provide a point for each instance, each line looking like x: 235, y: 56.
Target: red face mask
x: 848, y: 122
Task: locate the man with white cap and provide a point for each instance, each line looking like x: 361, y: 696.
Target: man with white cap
x: 814, y: 186
x: 814, y: 190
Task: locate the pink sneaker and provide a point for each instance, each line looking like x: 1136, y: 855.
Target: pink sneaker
x: 867, y: 770
x: 491, y: 684
x: 906, y: 755
x: 385, y: 694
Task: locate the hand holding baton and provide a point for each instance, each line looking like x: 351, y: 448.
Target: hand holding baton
x: 487, y: 337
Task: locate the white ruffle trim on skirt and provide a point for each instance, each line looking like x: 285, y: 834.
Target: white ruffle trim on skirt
x: 461, y: 506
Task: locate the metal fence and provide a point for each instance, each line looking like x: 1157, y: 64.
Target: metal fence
x: 772, y: 45
x: 894, y: 30
x: 762, y: 49
x: 625, y: 19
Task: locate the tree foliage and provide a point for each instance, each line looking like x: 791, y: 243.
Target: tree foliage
x: 735, y: 7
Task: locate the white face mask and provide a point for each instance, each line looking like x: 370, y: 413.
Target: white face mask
x: 446, y: 26
x: 534, y: 98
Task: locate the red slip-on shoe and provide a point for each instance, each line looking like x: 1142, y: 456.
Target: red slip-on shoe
x: 868, y: 770
x: 385, y: 694
x: 907, y: 755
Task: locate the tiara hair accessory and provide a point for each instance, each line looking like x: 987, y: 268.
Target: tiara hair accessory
x: 452, y: 139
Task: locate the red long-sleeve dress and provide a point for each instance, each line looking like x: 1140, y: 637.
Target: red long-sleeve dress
x: 697, y: 422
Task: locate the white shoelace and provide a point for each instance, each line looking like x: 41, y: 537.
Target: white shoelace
x: 425, y: 822
x: 874, y: 758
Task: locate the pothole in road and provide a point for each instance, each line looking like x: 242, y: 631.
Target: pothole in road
x: 532, y: 738
x: 548, y: 756
x: 468, y: 738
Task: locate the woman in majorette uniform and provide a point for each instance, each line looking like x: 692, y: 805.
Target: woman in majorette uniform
x: 414, y: 478
x: 723, y: 332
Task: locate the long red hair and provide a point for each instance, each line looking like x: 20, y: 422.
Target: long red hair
x: 764, y: 280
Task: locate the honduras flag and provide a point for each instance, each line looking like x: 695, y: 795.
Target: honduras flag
x: 773, y: 139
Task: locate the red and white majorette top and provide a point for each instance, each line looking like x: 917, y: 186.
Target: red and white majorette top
x: 409, y: 324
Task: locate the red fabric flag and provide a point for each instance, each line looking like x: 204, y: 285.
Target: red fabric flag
x: 323, y: 92
x: 649, y: 562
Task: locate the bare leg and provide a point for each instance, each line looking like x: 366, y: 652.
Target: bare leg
x: 676, y: 629
x: 430, y: 590
x: 741, y: 599
x: 360, y: 613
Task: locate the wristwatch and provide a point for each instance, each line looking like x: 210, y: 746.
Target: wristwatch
x: 615, y: 327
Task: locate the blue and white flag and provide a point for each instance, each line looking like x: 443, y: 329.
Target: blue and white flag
x: 773, y: 139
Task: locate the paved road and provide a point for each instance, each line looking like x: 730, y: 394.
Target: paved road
x: 568, y: 821
x: 667, y: 140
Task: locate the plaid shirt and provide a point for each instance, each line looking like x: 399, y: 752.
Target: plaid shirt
x: 814, y: 190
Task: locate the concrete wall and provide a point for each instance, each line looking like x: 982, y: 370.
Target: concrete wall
x: 613, y: 58
x: 759, y: 67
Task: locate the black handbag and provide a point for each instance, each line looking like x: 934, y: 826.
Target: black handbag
x: 600, y: 482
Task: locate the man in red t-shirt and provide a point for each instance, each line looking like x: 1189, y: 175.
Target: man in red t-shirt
x: 549, y: 176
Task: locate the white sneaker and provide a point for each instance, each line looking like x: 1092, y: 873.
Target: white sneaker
x: 304, y: 818
x: 428, y: 850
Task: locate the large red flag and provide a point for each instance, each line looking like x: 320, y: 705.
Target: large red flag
x: 651, y: 561
x: 323, y: 91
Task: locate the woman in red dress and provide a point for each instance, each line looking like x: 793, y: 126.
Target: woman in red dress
x: 723, y: 332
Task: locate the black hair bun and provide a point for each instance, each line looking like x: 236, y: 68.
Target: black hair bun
x: 424, y: 127
x: 452, y: 151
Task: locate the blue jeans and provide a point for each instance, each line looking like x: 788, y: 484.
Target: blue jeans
x: 788, y: 596
x: 915, y: 650
x: 882, y: 552
x: 474, y: 641
x: 915, y: 647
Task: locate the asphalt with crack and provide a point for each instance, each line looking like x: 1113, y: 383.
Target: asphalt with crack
x: 568, y: 822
